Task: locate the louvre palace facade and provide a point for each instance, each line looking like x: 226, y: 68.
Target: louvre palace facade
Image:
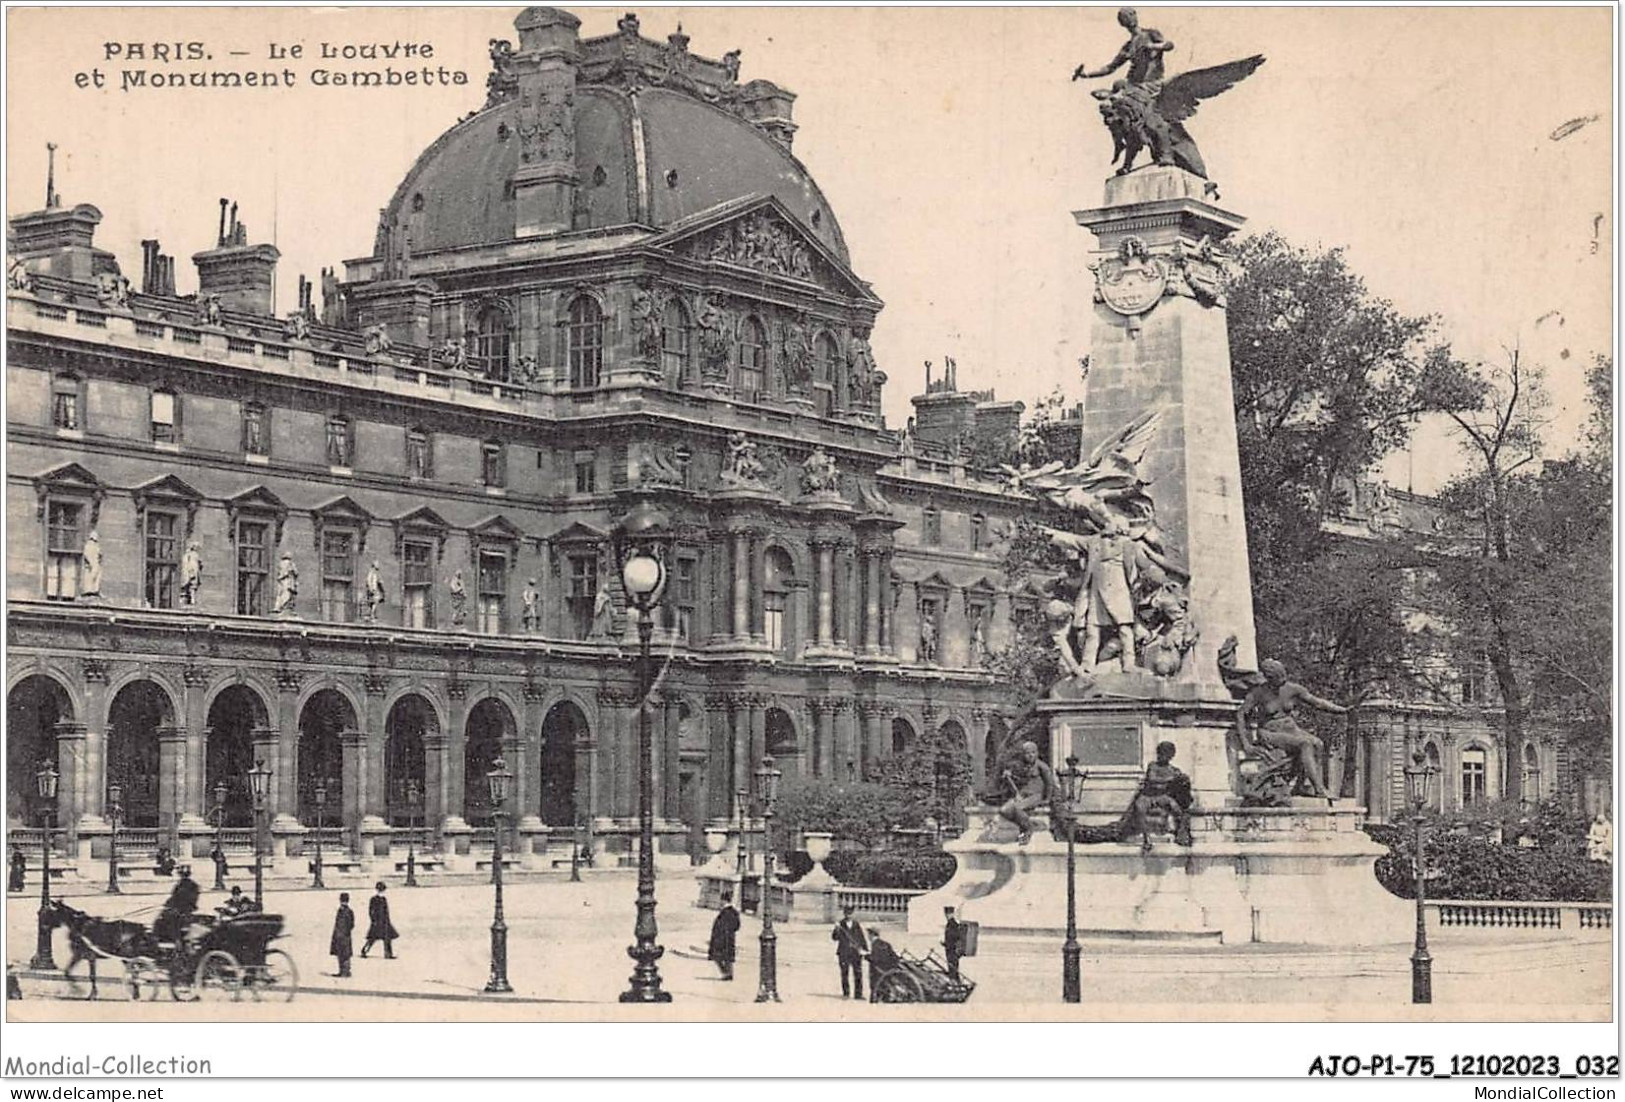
x: 367, y: 543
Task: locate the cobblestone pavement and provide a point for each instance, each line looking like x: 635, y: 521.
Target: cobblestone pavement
x: 567, y: 958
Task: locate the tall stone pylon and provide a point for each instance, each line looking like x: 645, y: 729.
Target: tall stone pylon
x: 1160, y: 341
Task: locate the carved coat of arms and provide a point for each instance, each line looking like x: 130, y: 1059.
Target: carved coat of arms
x: 1133, y: 281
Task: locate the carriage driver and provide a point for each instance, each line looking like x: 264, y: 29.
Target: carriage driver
x: 176, y: 916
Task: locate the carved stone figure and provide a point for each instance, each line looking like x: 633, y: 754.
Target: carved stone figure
x: 502, y: 83
x: 528, y: 370
x: 1265, y: 722
x: 1143, y: 112
x: 603, y: 612
x: 453, y: 354
x: 978, y: 639
x: 860, y: 372
x: 870, y: 499
x: 191, y: 573
x: 743, y: 467
x: 378, y: 342
x: 646, y: 309
x: 1162, y: 802
x: 660, y: 469
x: 296, y: 327
x: 90, y: 576
x: 208, y: 310
x: 375, y: 591
x: 714, y: 342
x: 1172, y: 632
x: 112, y: 290
x: 759, y: 242
x: 1028, y: 783
x: 906, y: 447
x: 530, y: 602
x: 798, y: 356
x: 730, y: 66
x: 819, y: 474
x: 287, y: 584
x: 459, y: 599
x: 18, y: 277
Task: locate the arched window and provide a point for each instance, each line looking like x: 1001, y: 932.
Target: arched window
x: 493, y: 344
x: 1531, y: 772
x: 777, y: 576
x: 752, y: 360
x: 675, y: 343
x: 586, y: 337
x: 1474, y: 774
x: 824, y: 358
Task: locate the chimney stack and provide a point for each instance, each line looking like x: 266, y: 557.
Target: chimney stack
x: 243, y: 275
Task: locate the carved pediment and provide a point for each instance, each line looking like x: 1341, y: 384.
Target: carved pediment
x: 759, y: 234
x: 496, y: 529
x: 934, y: 580
x: 257, y: 501
x: 423, y: 522
x: 71, y: 480
x: 170, y: 491
x: 341, y: 512
x: 579, y: 534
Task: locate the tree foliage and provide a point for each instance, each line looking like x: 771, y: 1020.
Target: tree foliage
x: 855, y: 811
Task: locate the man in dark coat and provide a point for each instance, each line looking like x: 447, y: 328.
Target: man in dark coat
x: 850, y: 946
x: 19, y: 866
x: 342, y: 943
x: 882, y: 959
x: 722, y: 949
x: 178, y: 909
x: 378, y: 925
x: 953, y: 941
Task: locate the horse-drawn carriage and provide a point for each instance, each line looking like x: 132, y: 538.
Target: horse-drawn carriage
x: 216, y: 958
x: 917, y: 980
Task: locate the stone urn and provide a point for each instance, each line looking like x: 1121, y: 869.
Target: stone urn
x: 817, y: 845
x: 716, y: 841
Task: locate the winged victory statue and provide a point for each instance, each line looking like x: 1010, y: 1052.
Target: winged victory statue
x: 1145, y: 112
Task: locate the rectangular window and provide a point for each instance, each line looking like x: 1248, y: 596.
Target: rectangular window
x: 163, y: 417
x: 933, y: 527
x: 687, y: 571
x: 773, y: 605
x: 338, y: 577
x: 978, y: 532
x: 338, y: 442
x: 586, y: 473
x: 1473, y: 770
x: 418, y: 463
x: 583, y: 593
x: 162, y: 560
x: 256, y: 440
x: 65, y: 404
x: 493, y: 593
x: 493, y: 465
x: 64, y: 549
x: 253, y: 567
x: 417, y: 583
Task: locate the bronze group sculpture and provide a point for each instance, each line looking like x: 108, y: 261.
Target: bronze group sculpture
x: 1144, y: 112
x: 1289, y: 755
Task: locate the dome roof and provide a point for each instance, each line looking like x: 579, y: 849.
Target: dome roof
x: 698, y: 156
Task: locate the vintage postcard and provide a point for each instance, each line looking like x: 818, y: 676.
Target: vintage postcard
x: 811, y: 514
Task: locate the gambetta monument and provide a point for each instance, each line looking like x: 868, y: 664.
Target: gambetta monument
x: 1157, y: 647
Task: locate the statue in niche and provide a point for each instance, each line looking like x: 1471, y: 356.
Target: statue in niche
x: 978, y: 637
x: 1144, y: 112
x: 712, y: 323
x: 90, y: 556
x: 798, y: 356
x: 191, y: 573
x: 928, y: 636
x: 530, y: 600
x: 375, y: 591
x: 860, y: 371
x: 1265, y: 726
x: 744, y: 467
x: 646, y: 308
x: 459, y: 598
x: 287, y: 585
x: 819, y: 474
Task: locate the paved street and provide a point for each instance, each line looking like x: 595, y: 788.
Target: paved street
x: 567, y: 958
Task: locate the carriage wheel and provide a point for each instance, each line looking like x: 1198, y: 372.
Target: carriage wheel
x: 181, y: 988
x: 277, y: 977
x: 219, y: 975
x: 899, y: 987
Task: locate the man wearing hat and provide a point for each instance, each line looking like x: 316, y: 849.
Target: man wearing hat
x: 178, y: 909
x: 724, y: 927
x: 953, y: 941
x: 882, y: 959
x: 850, y: 947
x: 379, y: 927
x: 341, y: 944
x: 238, y: 904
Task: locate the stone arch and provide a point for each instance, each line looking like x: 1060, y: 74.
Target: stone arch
x: 782, y: 741
x: 409, y: 723
x: 234, y: 712
x: 334, y: 685
x: 324, y: 715
x: 138, y: 709
x: 585, y: 703
x: 159, y: 678
x: 1529, y: 773
x: 489, y: 727
x: 903, y: 735
x: 950, y: 787
x: 564, y: 725
x: 35, y: 703
x: 428, y: 696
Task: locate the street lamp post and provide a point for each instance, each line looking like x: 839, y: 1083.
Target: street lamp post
x: 320, y: 795
x: 499, y: 779
x: 1419, y: 778
x: 259, y: 781
x: 767, y: 784
x: 412, y: 794
x: 46, y: 779
x: 1071, y: 981
x: 115, y: 795
x: 744, y: 842
x: 219, y: 836
x: 640, y: 541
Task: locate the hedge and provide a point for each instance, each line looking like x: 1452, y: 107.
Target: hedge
x: 1467, y: 867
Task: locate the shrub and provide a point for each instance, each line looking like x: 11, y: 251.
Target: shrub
x: 1465, y: 867
x: 927, y: 870
x: 857, y: 811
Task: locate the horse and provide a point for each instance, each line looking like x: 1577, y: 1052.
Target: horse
x: 92, y: 939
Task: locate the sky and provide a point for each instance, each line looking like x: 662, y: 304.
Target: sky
x: 953, y: 147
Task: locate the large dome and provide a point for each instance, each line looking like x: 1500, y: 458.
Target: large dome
x: 697, y: 156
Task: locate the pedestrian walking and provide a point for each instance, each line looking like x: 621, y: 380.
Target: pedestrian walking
x: 19, y: 867
x: 379, y: 927
x: 850, y: 948
x: 723, y: 948
x: 342, y: 944
x: 221, y: 868
x: 953, y: 941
